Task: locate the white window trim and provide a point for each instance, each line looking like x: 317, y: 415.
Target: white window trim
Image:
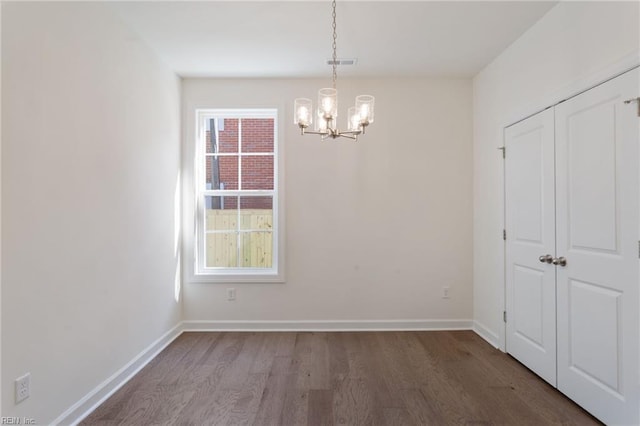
x: 192, y: 244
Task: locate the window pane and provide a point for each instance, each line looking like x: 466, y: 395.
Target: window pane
x: 228, y: 135
x: 221, y: 219
x: 220, y: 207
x: 257, y: 172
x: 256, y: 213
x: 221, y: 135
x: 257, y: 134
x: 256, y: 249
x: 256, y: 237
x: 212, y: 172
x: 211, y: 145
x: 221, y: 172
x: 222, y: 250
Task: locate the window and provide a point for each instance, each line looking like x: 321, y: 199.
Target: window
x: 236, y: 194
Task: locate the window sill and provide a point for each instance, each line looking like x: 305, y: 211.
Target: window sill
x: 252, y: 278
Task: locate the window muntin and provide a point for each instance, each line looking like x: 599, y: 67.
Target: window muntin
x: 236, y: 192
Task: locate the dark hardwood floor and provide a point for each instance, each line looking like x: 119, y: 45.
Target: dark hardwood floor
x: 342, y: 378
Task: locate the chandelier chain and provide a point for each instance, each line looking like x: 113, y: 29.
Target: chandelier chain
x: 335, y: 36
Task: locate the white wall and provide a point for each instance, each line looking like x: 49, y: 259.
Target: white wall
x: 575, y: 42
x: 374, y: 229
x: 90, y: 163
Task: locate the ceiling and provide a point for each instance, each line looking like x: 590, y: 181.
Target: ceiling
x: 293, y: 38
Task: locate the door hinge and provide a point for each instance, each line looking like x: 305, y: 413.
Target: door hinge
x: 503, y: 149
x: 504, y: 234
x: 504, y: 316
x: 638, y: 249
x: 637, y: 101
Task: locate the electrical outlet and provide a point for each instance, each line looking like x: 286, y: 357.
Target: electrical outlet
x: 23, y: 387
x: 445, y: 292
x: 231, y: 294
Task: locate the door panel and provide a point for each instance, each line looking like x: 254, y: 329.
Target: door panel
x: 591, y: 333
x: 528, y: 298
x: 597, y: 232
x: 530, y: 224
x: 591, y: 153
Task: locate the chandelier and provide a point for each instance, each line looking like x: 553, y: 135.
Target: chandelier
x: 358, y: 116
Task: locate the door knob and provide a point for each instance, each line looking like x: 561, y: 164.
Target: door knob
x: 546, y: 258
x: 560, y: 261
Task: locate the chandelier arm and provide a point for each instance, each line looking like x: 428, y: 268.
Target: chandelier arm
x: 345, y: 135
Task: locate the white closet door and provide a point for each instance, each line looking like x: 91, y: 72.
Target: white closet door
x: 530, y: 224
x: 597, y: 232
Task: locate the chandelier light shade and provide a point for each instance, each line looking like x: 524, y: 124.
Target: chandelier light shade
x: 304, y: 112
x: 358, y: 117
x: 364, y: 108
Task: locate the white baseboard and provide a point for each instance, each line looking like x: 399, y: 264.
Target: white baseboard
x: 81, y: 409
x: 488, y: 335
x: 325, y: 325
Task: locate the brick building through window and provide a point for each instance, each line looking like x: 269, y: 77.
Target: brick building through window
x: 251, y: 168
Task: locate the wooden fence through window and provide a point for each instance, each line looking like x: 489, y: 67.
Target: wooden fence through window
x: 255, y: 236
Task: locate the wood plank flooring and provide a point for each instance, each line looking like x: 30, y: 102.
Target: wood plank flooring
x: 341, y: 378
